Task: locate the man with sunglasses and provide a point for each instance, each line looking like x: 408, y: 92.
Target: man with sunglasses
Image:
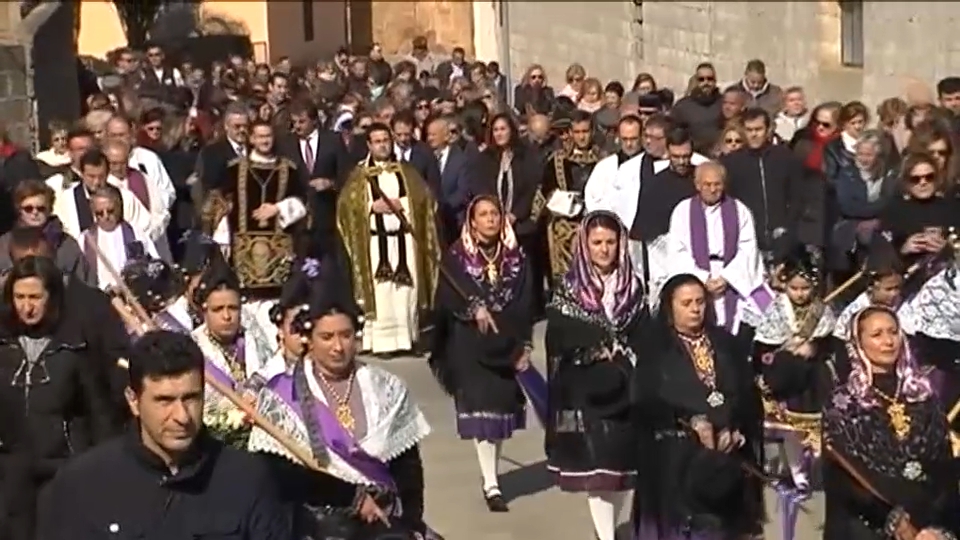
x: 700, y: 110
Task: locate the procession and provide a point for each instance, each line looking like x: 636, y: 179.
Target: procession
x: 710, y: 307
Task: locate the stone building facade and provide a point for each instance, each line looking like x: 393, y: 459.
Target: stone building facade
x: 16, y: 105
x: 802, y: 43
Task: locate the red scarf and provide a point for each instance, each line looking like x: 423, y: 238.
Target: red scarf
x: 814, y: 159
x: 7, y: 150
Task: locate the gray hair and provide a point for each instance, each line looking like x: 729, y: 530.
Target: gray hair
x: 871, y: 136
x: 236, y: 108
x: 109, y: 192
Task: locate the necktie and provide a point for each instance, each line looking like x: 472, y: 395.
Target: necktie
x: 308, y: 155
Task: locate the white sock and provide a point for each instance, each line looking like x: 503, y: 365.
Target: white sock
x: 605, y: 509
x: 793, y: 452
x: 488, y: 454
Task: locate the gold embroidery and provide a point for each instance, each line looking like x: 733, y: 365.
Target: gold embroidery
x: 262, y: 258
x: 353, y: 224
x: 562, y: 231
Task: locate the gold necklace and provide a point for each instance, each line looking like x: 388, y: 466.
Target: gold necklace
x: 701, y: 353
x: 897, y: 411
x: 237, y: 370
x: 490, y: 268
x: 343, y: 412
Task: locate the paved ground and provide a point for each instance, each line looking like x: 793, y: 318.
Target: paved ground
x: 454, y: 504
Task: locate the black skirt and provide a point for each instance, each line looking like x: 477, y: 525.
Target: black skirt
x: 592, y: 455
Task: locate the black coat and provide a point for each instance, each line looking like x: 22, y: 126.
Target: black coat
x: 48, y: 414
x: 218, y: 492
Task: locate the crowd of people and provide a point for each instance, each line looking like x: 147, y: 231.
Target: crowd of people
x: 735, y: 286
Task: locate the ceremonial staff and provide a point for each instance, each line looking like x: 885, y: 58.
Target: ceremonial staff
x: 304, y: 455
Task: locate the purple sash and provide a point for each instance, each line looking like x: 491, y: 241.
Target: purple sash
x: 338, y: 439
x: 535, y: 387
x: 90, y: 243
x: 222, y: 377
x: 700, y: 248
x: 167, y: 321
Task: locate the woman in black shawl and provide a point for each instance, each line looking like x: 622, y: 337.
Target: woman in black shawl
x: 484, y: 328
x: 699, y: 419
x: 593, y: 324
x: 885, y: 425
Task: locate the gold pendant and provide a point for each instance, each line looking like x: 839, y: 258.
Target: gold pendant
x: 492, y: 274
x: 899, y: 420
x: 345, y: 417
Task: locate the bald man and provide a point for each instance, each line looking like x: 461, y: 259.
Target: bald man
x: 712, y: 237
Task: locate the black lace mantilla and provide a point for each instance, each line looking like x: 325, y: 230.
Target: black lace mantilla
x: 566, y: 302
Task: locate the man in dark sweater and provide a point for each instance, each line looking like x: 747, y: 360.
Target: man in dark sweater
x: 168, y: 477
x: 700, y: 111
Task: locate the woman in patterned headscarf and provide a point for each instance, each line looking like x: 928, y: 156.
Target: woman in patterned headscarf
x: 593, y: 325
x: 885, y: 425
x: 483, y: 334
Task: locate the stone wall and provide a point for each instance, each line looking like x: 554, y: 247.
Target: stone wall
x: 16, y: 109
x: 799, y: 41
x: 446, y: 24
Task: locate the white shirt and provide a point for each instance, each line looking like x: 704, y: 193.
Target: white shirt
x: 313, y: 139
x: 177, y: 77
x: 442, y: 158
x: 113, y: 248
x: 401, y: 153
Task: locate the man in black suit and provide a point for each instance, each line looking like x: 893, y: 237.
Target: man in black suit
x: 213, y: 159
x: 322, y: 158
x: 409, y: 150
x: 455, y: 176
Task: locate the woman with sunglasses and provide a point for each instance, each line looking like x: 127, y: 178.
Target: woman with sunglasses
x: 883, y: 427
x: 732, y: 139
x: 920, y: 222
x: 33, y: 200
x: 808, y: 142
x: 53, y: 398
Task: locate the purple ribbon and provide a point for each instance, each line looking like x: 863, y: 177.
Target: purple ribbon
x: 789, y: 501
x: 534, y: 385
x: 168, y: 322
x: 336, y: 437
x: 221, y: 376
x: 700, y: 246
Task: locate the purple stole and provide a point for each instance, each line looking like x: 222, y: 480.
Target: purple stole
x: 137, y: 183
x: 338, y: 439
x: 91, y: 247
x: 700, y: 248
x: 534, y: 386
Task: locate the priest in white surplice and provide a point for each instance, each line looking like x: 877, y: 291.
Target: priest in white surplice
x: 712, y: 237
x: 79, y: 141
x: 161, y: 193
x: 123, y: 175
x: 117, y: 240
x: 394, y: 268
x: 72, y: 206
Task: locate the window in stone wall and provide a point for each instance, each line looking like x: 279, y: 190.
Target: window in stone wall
x: 851, y: 33
x: 307, y: 19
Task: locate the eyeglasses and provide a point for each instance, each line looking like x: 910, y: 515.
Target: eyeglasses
x: 423, y: 106
x: 31, y: 209
x: 733, y: 141
x: 536, y: 76
x: 706, y: 79
x: 922, y: 178
x: 104, y: 213
x: 824, y: 125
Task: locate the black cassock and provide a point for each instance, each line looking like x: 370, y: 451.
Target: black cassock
x: 686, y: 490
x: 590, y: 441
x: 916, y: 472
x: 478, y: 369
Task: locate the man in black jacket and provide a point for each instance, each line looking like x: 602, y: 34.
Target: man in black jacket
x: 101, y: 327
x: 166, y: 478
x: 769, y: 179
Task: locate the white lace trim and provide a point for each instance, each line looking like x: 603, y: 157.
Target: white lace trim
x: 779, y: 322
x: 395, y: 423
x: 841, y: 330
x: 253, y: 354
x: 935, y: 309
